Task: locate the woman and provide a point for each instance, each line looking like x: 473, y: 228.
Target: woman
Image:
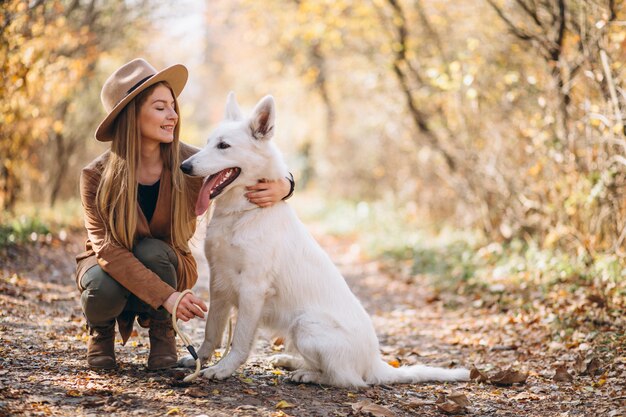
x: 139, y: 216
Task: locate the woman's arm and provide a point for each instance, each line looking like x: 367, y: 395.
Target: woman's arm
x: 266, y: 193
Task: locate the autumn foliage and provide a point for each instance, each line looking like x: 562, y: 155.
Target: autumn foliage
x: 49, y: 51
x: 501, y: 116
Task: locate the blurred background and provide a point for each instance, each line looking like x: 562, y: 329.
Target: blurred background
x: 414, y: 124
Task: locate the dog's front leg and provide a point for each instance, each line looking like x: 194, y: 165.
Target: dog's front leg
x: 219, y: 310
x: 251, y: 302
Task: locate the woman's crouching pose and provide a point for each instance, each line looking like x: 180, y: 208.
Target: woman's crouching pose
x: 139, y: 216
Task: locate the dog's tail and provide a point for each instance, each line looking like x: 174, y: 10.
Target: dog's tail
x: 387, y: 374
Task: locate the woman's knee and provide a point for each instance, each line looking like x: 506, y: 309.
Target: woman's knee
x: 159, y: 257
x: 103, y: 298
x: 154, y: 251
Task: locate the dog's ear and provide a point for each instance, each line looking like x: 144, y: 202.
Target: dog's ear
x: 262, y: 121
x: 233, y: 112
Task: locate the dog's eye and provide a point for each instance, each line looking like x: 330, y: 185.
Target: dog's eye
x: 223, y: 145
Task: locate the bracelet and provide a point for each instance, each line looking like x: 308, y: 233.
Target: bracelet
x: 292, y: 186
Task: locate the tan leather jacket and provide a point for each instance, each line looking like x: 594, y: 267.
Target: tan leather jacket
x: 119, y: 262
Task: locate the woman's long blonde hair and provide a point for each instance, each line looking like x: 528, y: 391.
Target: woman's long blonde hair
x: 117, y: 192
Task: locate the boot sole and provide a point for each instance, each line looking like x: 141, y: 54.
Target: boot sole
x: 161, y: 368
x: 102, y: 367
x: 93, y: 366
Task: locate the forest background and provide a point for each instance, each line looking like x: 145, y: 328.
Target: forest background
x: 478, y: 144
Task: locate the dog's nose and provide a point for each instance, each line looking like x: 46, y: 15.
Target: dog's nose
x: 186, y: 167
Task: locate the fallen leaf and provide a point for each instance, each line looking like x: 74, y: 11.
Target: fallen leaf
x: 594, y: 367
x: 73, y: 393
x: 588, y: 365
x: 477, y: 375
x: 459, y: 398
x: 173, y: 411
x: 600, y: 382
x: 509, y: 377
x: 369, y: 408
x: 561, y: 375
x: 597, y: 299
x: 522, y: 396
x: 284, y: 404
x: 580, y: 366
x: 395, y: 363
x: 196, y: 392
x: 418, y: 403
x: 247, y: 407
x: 450, y: 407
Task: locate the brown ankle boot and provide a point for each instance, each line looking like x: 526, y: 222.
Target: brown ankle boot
x: 162, y: 345
x: 101, y: 347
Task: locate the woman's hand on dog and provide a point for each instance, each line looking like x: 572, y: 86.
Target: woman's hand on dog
x: 266, y: 193
x: 188, y: 308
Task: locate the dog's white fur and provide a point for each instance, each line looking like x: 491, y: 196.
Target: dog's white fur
x: 265, y: 263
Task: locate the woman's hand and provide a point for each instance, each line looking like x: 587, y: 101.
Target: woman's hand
x: 188, y: 308
x: 266, y: 193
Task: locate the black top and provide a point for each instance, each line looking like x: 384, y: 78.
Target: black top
x: 147, y: 196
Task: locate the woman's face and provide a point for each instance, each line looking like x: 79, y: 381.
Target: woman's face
x: 158, y: 117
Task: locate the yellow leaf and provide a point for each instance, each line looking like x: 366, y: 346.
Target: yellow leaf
x: 535, y: 169
x: 395, y: 363
x: 173, y: 411
x: 73, y: 393
x: 278, y: 372
x: 215, y: 392
x: 284, y: 404
x: 601, y: 381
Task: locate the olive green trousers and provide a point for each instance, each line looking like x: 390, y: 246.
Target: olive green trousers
x: 103, y: 298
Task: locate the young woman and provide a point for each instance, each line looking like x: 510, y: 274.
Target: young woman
x: 139, y: 216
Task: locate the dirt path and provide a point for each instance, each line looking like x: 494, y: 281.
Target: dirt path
x: 43, y: 348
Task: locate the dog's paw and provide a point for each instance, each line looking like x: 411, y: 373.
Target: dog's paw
x: 187, y: 361
x: 306, y: 376
x: 285, y: 361
x: 216, y: 372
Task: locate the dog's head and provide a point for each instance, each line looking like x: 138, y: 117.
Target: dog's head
x: 238, y: 151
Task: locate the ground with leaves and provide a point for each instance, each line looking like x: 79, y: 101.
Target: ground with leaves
x: 522, y: 363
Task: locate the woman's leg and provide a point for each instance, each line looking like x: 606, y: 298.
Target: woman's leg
x: 102, y: 300
x: 159, y: 257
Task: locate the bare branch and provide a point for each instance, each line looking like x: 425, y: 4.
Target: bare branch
x: 520, y: 33
x: 611, y: 85
x: 532, y: 12
x: 429, y: 28
x: 418, y: 117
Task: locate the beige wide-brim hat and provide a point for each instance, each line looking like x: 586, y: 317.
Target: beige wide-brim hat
x: 128, y: 81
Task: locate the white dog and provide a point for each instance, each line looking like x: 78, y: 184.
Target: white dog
x: 265, y: 263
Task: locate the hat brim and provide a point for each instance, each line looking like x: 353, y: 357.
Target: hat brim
x: 176, y: 76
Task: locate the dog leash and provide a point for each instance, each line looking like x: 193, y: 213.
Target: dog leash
x: 187, y: 341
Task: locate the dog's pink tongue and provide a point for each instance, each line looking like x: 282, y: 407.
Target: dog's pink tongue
x: 204, y: 197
